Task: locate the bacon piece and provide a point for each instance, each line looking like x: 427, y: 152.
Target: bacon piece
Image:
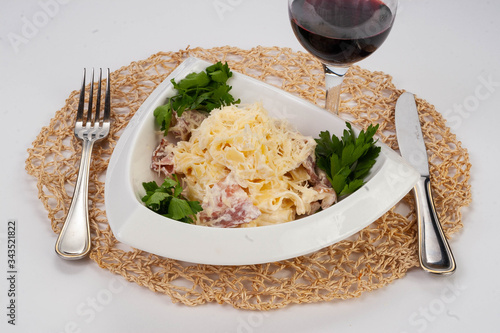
x: 186, y: 123
x: 320, y: 183
x: 163, y: 158
x: 227, y: 205
x: 327, y: 194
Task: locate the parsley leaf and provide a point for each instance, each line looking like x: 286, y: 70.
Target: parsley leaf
x: 203, y: 91
x: 168, y: 201
x: 348, y: 160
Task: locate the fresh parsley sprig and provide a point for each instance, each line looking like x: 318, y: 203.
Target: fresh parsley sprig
x: 348, y: 160
x: 168, y: 201
x: 203, y: 91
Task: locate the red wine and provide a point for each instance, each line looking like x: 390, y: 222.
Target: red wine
x: 340, y: 32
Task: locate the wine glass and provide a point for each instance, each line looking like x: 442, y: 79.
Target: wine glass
x: 340, y: 33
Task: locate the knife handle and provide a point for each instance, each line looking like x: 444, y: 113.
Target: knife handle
x: 435, y: 255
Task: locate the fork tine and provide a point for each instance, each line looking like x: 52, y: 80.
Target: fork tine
x: 81, y: 102
x: 91, y: 97
x: 107, y: 98
x: 98, y: 100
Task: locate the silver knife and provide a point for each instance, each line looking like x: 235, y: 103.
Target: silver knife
x: 435, y: 255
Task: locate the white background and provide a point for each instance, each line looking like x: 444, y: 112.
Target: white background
x: 446, y: 52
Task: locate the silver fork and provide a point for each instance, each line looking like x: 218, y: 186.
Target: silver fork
x: 74, y: 240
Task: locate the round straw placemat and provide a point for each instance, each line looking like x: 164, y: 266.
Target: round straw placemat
x: 372, y: 258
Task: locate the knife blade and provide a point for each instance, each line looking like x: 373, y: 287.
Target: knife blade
x: 435, y: 255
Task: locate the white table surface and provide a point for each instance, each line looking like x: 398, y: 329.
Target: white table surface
x: 446, y: 52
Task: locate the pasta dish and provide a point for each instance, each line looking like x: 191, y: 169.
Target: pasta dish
x: 245, y: 167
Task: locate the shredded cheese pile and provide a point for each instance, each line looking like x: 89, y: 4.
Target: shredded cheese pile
x: 263, y: 154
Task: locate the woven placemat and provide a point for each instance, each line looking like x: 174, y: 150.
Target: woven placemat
x: 372, y: 258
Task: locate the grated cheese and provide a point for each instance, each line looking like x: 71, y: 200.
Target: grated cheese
x: 263, y: 154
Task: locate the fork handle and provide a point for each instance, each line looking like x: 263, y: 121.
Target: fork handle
x: 74, y: 240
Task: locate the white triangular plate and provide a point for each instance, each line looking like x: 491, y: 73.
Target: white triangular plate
x: 132, y: 223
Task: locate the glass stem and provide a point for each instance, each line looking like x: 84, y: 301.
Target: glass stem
x: 334, y: 76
